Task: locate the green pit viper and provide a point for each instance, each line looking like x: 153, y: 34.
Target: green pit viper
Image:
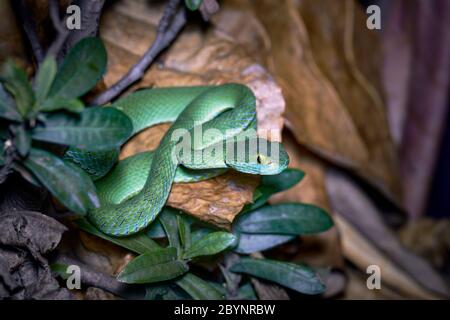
x: 133, y: 191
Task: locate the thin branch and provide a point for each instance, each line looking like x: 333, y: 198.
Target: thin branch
x: 90, y: 18
x: 58, y: 24
x: 172, y: 21
x: 9, y: 156
x: 29, y: 27
x: 93, y: 278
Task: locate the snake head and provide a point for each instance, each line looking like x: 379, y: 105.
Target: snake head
x: 270, y: 161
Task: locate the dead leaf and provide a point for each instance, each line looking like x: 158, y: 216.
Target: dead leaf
x: 427, y: 100
x: 25, y: 238
x: 99, y: 254
x: 428, y: 238
x: 397, y: 66
x: 360, y: 213
x: 356, y: 289
x: 216, y: 201
x: 335, y: 52
x: 358, y: 250
x: 323, y: 64
x: 11, y: 44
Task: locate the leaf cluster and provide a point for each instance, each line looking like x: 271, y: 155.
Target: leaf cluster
x: 41, y: 117
x: 175, y: 247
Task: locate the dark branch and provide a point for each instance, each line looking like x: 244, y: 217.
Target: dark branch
x: 9, y: 156
x: 172, y: 21
x: 58, y: 24
x: 29, y: 27
x: 93, y: 278
x: 90, y: 18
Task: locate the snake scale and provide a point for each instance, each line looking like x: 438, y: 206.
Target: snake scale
x: 133, y: 191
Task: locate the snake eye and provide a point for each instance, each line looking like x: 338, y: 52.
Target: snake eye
x: 258, y: 159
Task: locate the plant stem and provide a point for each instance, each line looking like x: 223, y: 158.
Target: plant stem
x: 29, y: 27
x: 58, y: 24
x: 172, y: 21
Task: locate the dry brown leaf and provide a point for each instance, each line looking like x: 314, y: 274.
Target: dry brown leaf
x: 216, y: 201
x: 356, y: 289
x: 360, y: 213
x: 11, y: 44
x: 99, y: 254
x: 334, y: 50
x: 429, y: 238
x: 197, y: 57
x: 427, y: 99
x: 358, y: 250
x: 322, y: 63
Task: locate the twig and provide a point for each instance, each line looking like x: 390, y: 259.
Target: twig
x: 10, y: 153
x: 90, y: 18
x: 58, y: 24
x: 29, y: 27
x: 93, y: 278
x: 172, y: 21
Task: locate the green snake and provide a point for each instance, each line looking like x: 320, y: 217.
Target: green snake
x: 135, y: 190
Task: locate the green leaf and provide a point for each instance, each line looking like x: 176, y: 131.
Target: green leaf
x: 249, y: 243
x: 93, y: 129
x: 290, y: 275
x: 7, y: 106
x: 210, y: 244
x: 138, y: 242
x: 246, y: 292
x: 273, y: 184
x: 154, y: 266
x: 60, y: 269
x: 156, y: 230
x: 22, y: 139
x: 57, y: 103
x: 16, y: 82
x: 68, y: 183
x: 285, y: 218
x: 26, y: 174
x: 197, y: 234
x: 198, y: 288
x: 165, y: 292
x: 3, y: 131
x: 184, y: 229
x: 284, y: 180
x: 96, y: 163
x: 82, y: 68
x: 44, y: 79
x: 193, y: 4
x: 168, y: 219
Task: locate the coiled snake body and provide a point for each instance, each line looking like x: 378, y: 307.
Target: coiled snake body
x: 137, y: 188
